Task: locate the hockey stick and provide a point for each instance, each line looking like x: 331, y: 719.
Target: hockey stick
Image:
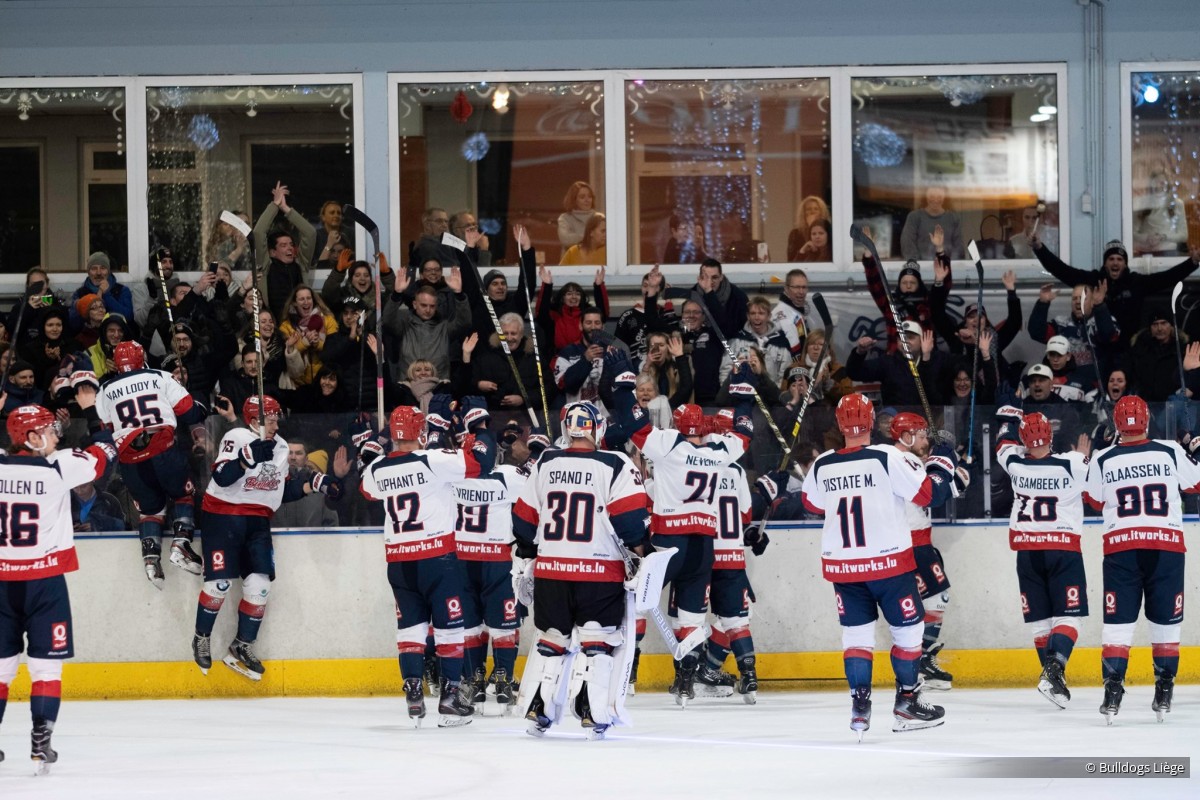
x: 1101, y: 387
x: 36, y: 287
x: 356, y: 216
x: 537, y: 356
x: 236, y: 222
x: 650, y: 576
x: 856, y: 233
x: 823, y: 310
x: 973, y: 250
x: 1182, y: 393
x: 733, y: 359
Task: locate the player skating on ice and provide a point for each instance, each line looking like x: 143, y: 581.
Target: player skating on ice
x: 910, y: 432
x: 249, y: 482
x: 37, y: 549
x: 1044, y: 529
x: 866, y: 552
x: 1137, y: 483
x: 416, y: 485
x: 143, y: 407
x: 578, y: 509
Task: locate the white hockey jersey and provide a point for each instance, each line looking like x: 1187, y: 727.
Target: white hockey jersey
x: 259, y: 491
x: 37, y: 536
x: 483, y: 529
x: 1047, y: 510
x: 148, y: 400
x: 1137, y: 485
x: 861, y: 492
x: 418, y: 495
x: 919, y: 520
x: 734, y: 512
x: 686, y: 478
x: 575, y: 506
x: 788, y: 319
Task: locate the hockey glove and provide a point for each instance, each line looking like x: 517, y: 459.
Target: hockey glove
x: 61, y: 389
x: 756, y: 538
x: 962, y: 479
x: 441, y: 413
x: 743, y: 383
x: 369, y: 451
x: 522, y: 579
x: 360, y: 432
x: 474, y: 412
x: 537, y: 442
x: 1194, y: 445
x: 84, y: 376
x: 944, y: 458
x: 257, y: 452
x: 772, y: 484
x: 1009, y: 420
x: 328, y: 485
x: 509, y: 434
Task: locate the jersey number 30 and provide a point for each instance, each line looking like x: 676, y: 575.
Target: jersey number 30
x: 571, y: 516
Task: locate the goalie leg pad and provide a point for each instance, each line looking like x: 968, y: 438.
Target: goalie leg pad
x: 599, y: 683
x: 597, y: 639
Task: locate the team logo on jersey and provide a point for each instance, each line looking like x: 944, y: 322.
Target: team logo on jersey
x: 707, y: 592
x: 1110, y: 602
x: 745, y: 598
x: 841, y: 605
x: 939, y: 573
x: 908, y: 606
x: 1072, y: 597
x: 454, y: 607
x: 1024, y: 604
x: 58, y: 636
x: 920, y: 583
x: 218, y: 559
x: 1179, y: 603
x: 267, y: 479
x: 510, y: 610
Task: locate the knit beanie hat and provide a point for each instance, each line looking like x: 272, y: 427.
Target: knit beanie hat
x: 84, y: 303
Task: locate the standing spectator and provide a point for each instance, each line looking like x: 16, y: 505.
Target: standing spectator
x: 789, y: 313
x: 308, y: 315
x: 832, y: 382
x: 819, y: 247
x: 579, y: 206
x: 593, y: 248
x: 726, y: 302
x: 46, y: 298
x: 772, y: 344
x: 352, y: 278
x: 921, y: 222
x: 686, y: 245
x: 284, y: 264
x: 1153, y: 357
x: 1020, y: 245
x: 666, y: 364
x: 239, y: 384
x: 331, y: 235
x: 578, y: 366
x: 812, y: 208
x: 227, y: 245
x: 202, y: 361
x: 100, y: 280
x: 1126, y: 291
x: 493, y: 377
x: 646, y: 315
x: 563, y: 312
x: 705, y: 353
x: 1070, y: 381
x: 911, y: 297
x: 494, y: 283
x: 892, y: 370
x: 147, y: 293
x: 1077, y: 327
x: 645, y: 390
x: 421, y: 332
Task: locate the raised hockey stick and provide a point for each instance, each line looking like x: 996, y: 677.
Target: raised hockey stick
x: 973, y: 250
x: 36, y: 287
x: 857, y: 234
x: 762, y: 406
x: 819, y: 304
x: 357, y: 217
x: 1087, y: 333
x: 537, y: 356
x: 1178, y: 290
x: 238, y: 224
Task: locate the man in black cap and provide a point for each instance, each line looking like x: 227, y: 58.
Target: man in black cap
x: 504, y: 300
x: 1153, y: 359
x: 1127, y: 290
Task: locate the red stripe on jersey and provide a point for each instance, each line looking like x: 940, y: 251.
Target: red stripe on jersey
x: 1114, y: 651
x: 810, y: 506
x: 526, y: 512
x: 729, y: 559
x: 216, y: 505
x: 471, y: 464
x: 1095, y: 504
x: 1067, y: 631
x: 925, y: 493
x: 639, y: 437
x: 588, y: 570
x: 922, y: 537
x: 46, y: 689
x: 631, y: 503
x: 747, y: 517
x: 183, y: 406
x: 858, y: 652
x: 481, y: 551
x: 47, y: 566
x: 432, y: 547
x: 1193, y: 490
x: 1048, y: 540
x: 859, y: 570
x: 906, y: 653
x: 683, y: 524
x: 1144, y: 538
x: 101, y: 459
x: 1165, y: 650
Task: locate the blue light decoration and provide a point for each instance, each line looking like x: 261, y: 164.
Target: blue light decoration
x: 489, y: 225
x: 961, y: 90
x: 203, y: 132
x: 1145, y: 88
x: 879, y: 146
x: 476, y: 147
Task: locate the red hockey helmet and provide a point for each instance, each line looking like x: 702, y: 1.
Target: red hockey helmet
x: 689, y: 420
x: 1131, y: 416
x: 855, y: 414
x: 271, y: 408
x: 722, y: 421
x: 129, y: 356
x: 24, y: 420
x: 907, y: 422
x: 407, y: 423
x: 1036, y: 430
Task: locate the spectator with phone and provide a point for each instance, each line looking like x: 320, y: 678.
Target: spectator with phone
x: 579, y: 366
x: 39, y: 301
x: 646, y: 315
x: 332, y: 236
x: 760, y: 333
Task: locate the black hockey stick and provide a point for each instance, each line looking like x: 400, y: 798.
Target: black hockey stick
x: 36, y: 287
x: 356, y: 216
x: 537, y: 356
x: 973, y: 250
x: 1178, y: 290
x: 857, y: 234
x: 238, y: 224
x: 819, y: 304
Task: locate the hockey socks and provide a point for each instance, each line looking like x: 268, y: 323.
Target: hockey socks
x: 906, y: 663
x: 250, y: 617
x: 858, y: 662
x: 933, y: 630
x: 741, y: 642
x: 1062, y: 642
x: 474, y: 652
x: 45, y: 697
x: 718, y: 648
x: 1114, y: 660
x: 1166, y: 660
x: 504, y: 651
x: 1041, y: 645
x: 207, y: 608
x: 3, y: 699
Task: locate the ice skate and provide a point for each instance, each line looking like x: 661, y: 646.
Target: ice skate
x: 184, y: 557
x: 912, y: 713
x: 713, y: 682
x: 241, y: 659
x: 42, y: 754
x: 432, y: 675
x: 477, y: 690
x: 415, y: 698
x: 932, y: 675
x: 154, y: 571
x: 502, y: 688
x: 539, y: 723
x: 455, y: 711
x: 1164, y: 688
x: 1114, y: 690
x: 860, y: 711
x: 1053, y: 683
x: 748, y: 684
x: 202, y: 652
x: 687, y: 682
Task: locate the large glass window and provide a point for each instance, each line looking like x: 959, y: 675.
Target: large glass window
x: 732, y: 168
x: 976, y: 155
x: 211, y: 148
x: 527, y: 153
x: 1164, y: 167
x: 52, y: 211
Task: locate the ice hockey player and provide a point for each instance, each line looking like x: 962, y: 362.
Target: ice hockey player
x: 416, y: 485
x: 578, y: 511
x: 1137, y: 482
x: 482, y: 535
x: 249, y: 482
x: 866, y: 552
x: 37, y: 549
x: 143, y: 407
x: 687, y: 464
x: 910, y: 432
x: 1044, y: 528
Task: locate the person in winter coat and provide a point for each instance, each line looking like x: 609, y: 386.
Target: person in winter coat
x: 48, y: 350
x: 100, y: 280
x: 493, y: 377
x: 307, y: 323
x: 563, y: 312
x: 422, y: 333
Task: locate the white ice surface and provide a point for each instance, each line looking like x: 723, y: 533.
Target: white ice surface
x: 789, y: 745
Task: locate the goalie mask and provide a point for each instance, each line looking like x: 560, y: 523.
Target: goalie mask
x: 582, y: 421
